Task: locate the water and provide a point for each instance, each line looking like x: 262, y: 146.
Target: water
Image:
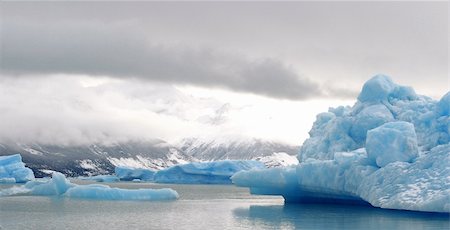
x: 202, y: 207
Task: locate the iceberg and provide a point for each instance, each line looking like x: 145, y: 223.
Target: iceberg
x: 59, y: 185
x: 101, y: 178
x: 390, y: 150
x: 129, y: 174
x: 104, y: 192
x: 13, y: 170
x: 214, y: 172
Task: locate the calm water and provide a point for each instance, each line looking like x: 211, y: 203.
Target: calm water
x: 202, y: 207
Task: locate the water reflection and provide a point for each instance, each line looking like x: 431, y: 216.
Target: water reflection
x: 325, y: 216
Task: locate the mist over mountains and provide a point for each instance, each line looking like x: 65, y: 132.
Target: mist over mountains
x: 94, y: 159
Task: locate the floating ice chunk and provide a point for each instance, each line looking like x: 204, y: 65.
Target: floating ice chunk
x: 103, y: 192
x: 130, y: 174
x: 101, y: 178
x: 423, y: 185
x: 215, y: 172
x: 391, y: 142
x: 13, y: 170
x: 58, y: 185
x: 369, y: 153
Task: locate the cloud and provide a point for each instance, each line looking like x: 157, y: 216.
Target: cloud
x: 298, y: 45
x: 60, y: 110
x: 78, y: 110
x: 124, y: 50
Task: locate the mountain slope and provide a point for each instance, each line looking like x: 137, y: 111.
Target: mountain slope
x: 274, y: 153
x: 157, y: 154
x: 96, y: 159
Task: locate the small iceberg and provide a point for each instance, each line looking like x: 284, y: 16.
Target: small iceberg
x: 58, y: 185
x: 104, y: 192
x: 214, y: 172
x: 13, y: 170
x: 101, y: 178
x: 130, y: 174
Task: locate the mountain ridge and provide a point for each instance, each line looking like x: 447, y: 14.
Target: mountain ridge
x: 95, y: 159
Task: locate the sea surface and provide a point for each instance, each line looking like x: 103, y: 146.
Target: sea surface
x: 202, y: 207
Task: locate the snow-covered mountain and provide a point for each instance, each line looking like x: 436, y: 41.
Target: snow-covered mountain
x: 156, y: 154
x: 96, y: 159
x: 271, y: 153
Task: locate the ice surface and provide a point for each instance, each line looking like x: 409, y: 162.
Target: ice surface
x: 444, y: 105
x: 214, y: 172
x: 423, y: 185
x: 13, y: 170
x: 58, y: 185
x: 103, y: 192
x: 390, y: 150
x: 130, y: 174
x: 393, y: 141
x: 101, y: 178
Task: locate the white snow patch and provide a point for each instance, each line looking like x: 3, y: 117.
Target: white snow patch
x: 33, y: 151
x: 47, y: 171
x: 88, y: 164
x: 278, y: 159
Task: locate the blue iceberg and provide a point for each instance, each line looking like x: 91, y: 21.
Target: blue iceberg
x: 129, y: 174
x: 58, y: 185
x: 13, y: 170
x: 103, y: 192
x: 101, y: 178
x: 214, y: 172
x: 390, y: 150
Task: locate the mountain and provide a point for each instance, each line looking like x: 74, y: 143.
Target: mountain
x: 97, y: 158
x: 271, y: 153
x: 156, y: 154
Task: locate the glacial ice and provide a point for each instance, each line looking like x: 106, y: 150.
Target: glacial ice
x: 214, y: 172
x: 390, y: 150
x: 129, y: 174
x: 104, y: 192
x: 13, y: 170
x: 391, y: 142
x: 101, y: 178
x: 59, y: 185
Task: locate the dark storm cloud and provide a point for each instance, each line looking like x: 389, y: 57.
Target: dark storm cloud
x: 290, y: 50
x: 124, y: 50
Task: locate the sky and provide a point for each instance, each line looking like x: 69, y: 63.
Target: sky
x: 103, y: 72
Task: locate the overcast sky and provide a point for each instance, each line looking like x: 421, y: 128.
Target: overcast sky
x: 81, y: 72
